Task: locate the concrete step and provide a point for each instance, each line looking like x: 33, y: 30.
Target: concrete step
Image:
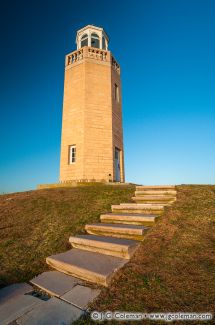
x: 155, y: 192
x: 154, y: 199
x: 123, y: 248
x: 128, y: 218
x: 138, y: 208
x: 117, y: 230
x: 89, y: 266
x: 155, y: 187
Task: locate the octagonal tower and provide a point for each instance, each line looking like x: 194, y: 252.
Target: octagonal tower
x: 92, y: 134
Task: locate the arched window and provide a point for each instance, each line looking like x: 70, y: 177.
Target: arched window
x: 84, y: 40
x: 95, y: 40
x: 103, y: 43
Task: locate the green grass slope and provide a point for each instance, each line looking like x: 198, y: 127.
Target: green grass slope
x: 36, y: 224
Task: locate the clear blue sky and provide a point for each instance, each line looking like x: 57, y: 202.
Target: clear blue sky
x: 166, y: 49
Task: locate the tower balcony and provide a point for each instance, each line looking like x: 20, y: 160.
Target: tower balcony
x: 87, y: 52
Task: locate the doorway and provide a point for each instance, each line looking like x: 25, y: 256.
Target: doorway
x: 117, y: 165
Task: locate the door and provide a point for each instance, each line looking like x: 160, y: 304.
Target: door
x: 117, y: 165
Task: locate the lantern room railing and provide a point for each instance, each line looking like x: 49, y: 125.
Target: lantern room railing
x: 93, y: 53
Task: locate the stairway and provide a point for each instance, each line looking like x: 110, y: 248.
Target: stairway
x: 94, y: 258
x: 108, y: 245
x: 92, y: 261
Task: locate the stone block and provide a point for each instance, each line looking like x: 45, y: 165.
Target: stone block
x: 81, y: 296
x: 16, y: 307
x: 13, y: 291
x: 89, y: 266
x: 123, y: 248
x: 55, y: 283
x: 128, y: 218
x: 117, y: 230
x: 52, y: 312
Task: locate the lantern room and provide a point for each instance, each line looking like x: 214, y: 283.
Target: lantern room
x: 92, y: 36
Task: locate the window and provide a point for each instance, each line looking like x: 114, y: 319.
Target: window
x: 103, y: 43
x: 84, y: 40
x: 95, y: 40
x: 72, y: 154
x: 116, y: 92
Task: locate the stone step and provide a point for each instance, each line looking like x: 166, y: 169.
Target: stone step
x: 155, y: 187
x: 155, y: 192
x: 128, y: 218
x: 164, y: 200
x: 89, y: 266
x: 123, y: 248
x: 138, y: 208
x: 153, y: 198
x: 117, y: 230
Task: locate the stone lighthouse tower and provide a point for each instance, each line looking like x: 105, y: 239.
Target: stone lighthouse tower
x: 92, y: 135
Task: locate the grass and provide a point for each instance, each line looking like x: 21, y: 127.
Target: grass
x: 174, y: 268
x: 36, y: 224
x: 172, y: 271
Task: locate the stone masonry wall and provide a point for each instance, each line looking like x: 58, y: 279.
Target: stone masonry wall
x: 92, y: 119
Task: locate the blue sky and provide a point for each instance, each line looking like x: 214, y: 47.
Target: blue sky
x: 166, y: 50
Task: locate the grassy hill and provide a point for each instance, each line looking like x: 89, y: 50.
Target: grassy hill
x: 173, y: 270
x: 36, y: 224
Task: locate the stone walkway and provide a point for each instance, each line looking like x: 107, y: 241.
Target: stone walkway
x: 92, y: 262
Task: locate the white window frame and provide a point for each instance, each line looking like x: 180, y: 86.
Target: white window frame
x: 72, y: 154
x: 95, y: 36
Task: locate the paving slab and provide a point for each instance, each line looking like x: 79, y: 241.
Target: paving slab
x: 16, y: 307
x: 14, y: 290
x: 52, y: 312
x: 81, y: 296
x: 89, y: 266
x: 55, y: 283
